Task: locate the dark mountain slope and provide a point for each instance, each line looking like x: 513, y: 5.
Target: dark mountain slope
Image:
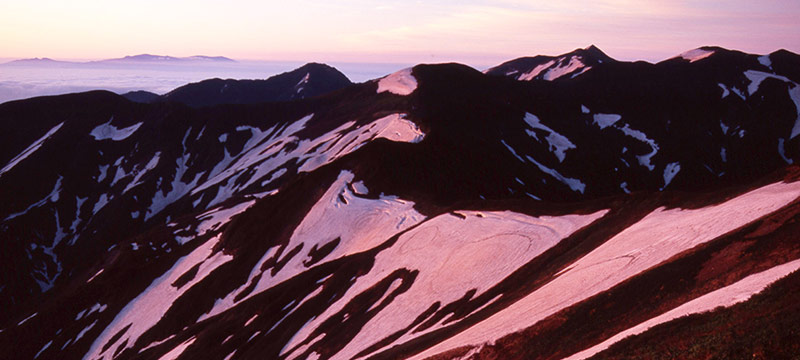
x: 307, y: 81
x: 141, y: 96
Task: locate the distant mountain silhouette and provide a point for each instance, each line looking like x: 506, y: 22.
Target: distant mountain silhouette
x: 131, y: 59
x: 141, y: 96
x: 38, y: 62
x: 310, y: 80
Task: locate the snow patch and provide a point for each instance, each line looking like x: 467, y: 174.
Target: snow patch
x: 725, y: 91
x: 557, y: 72
x: 52, y: 197
x: 512, y: 150
x: 400, y: 83
x: 178, y: 350
x: 764, y: 60
x: 108, y: 131
x: 396, y: 127
x: 670, y: 171
x: 782, y: 151
x: 536, y: 71
x: 644, y: 160
x: 27, y: 318
x: 43, y: 349
x: 29, y: 150
x: 214, y: 219
x: 696, y: 55
x: 794, y: 94
x: 756, y: 77
x: 605, y: 120
x: 574, y: 184
x: 179, y: 188
x: 559, y: 144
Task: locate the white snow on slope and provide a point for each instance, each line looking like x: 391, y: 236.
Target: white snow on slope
x: 43, y: 349
x: 579, y: 73
x: 557, y: 72
x: 400, y: 83
x: 696, y: 54
x: 101, y: 202
x: 27, y: 318
x: 510, y: 149
x: 782, y: 151
x: 108, y: 131
x: 794, y: 94
x: 178, y: 188
x: 642, y: 246
x: 140, y: 172
x: 53, y: 196
x: 265, y: 153
x: 528, y: 76
x: 29, y: 150
x: 453, y: 255
x: 559, y: 144
x: 725, y: 91
x: 730, y: 295
x: 178, y: 350
x: 605, y: 120
x: 756, y: 77
x: 146, y: 310
x: 360, y: 223
x: 396, y: 127
x: 644, y: 160
x: 215, y: 218
x: 301, y: 84
x: 574, y: 184
x: 670, y: 171
x: 764, y: 60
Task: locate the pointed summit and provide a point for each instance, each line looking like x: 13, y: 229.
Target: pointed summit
x: 593, y: 52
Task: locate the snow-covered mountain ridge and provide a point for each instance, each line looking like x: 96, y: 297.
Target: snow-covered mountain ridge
x: 436, y: 212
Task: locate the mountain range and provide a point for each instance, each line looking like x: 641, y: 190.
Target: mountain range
x: 127, y: 60
x: 551, y: 207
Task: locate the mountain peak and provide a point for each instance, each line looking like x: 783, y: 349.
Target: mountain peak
x: 550, y: 68
x: 309, y: 80
x: 595, y: 53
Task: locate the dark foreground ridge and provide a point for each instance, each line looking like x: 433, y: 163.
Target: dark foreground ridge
x: 546, y: 209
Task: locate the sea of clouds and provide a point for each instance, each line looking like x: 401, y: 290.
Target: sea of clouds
x: 26, y: 81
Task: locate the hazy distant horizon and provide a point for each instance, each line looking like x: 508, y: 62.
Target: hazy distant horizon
x: 26, y: 81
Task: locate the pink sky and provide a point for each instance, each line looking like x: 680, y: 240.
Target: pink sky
x: 472, y: 31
